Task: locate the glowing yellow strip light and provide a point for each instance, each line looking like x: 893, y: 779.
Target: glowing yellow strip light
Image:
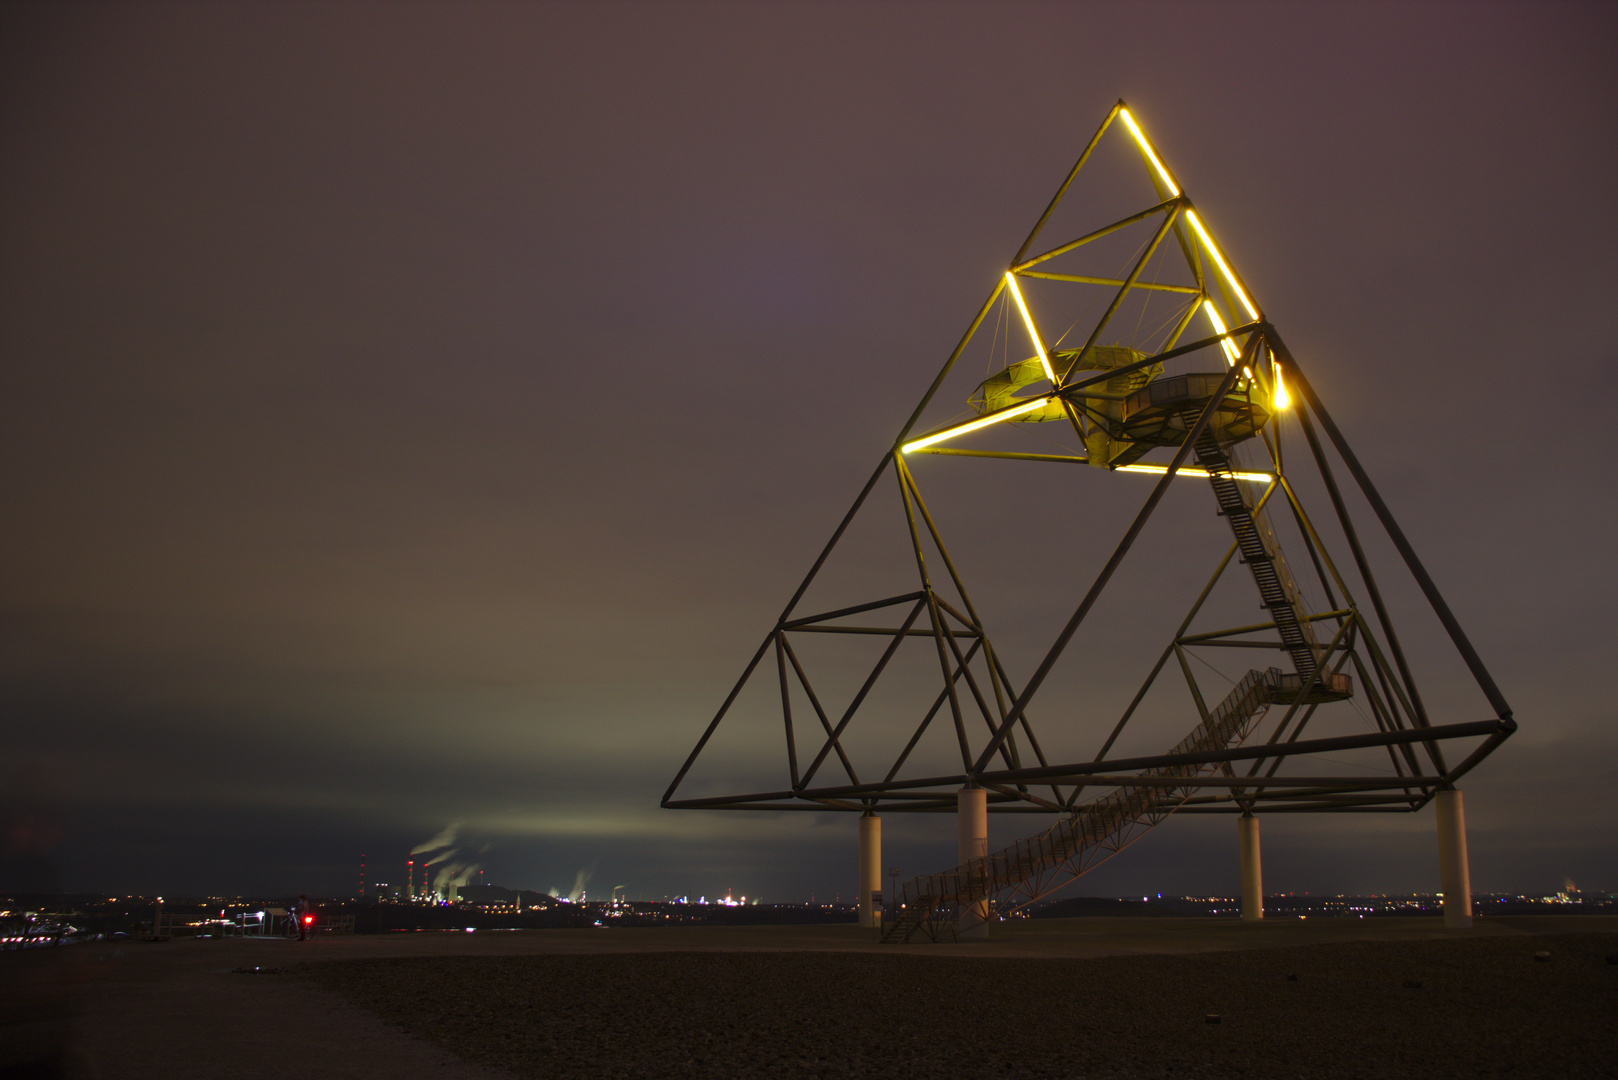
x: 1151, y: 155
x: 1219, y: 328
x: 1028, y: 320
x: 1192, y: 470
x: 1282, y: 399
x: 1196, y: 223
x: 1224, y: 267
x: 980, y: 422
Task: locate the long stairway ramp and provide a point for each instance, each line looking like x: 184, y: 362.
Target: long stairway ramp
x: 1016, y: 876
x: 1262, y: 553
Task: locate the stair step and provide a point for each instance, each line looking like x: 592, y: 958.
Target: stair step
x: 932, y: 900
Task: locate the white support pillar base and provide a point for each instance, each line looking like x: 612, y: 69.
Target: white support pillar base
x: 972, y: 835
x: 1454, y: 872
x: 870, y: 869
x: 1252, y: 869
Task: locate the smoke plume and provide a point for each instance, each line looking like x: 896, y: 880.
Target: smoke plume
x: 453, y: 867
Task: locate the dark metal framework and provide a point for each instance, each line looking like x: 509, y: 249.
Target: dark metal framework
x: 1344, y: 650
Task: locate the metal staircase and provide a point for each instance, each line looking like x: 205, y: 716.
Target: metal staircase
x: 1262, y: 554
x: 1016, y: 876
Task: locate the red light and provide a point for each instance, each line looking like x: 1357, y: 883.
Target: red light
x: 307, y: 919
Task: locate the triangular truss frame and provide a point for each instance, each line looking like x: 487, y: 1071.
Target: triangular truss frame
x: 1005, y: 756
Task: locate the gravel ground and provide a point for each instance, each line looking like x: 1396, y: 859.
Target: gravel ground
x: 1478, y: 1007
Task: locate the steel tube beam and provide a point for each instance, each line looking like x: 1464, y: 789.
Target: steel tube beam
x: 910, y: 597
x: 927, y: 398
x: 950, y: 451
x: 1129, y: 282
x: 1410, y: 694
x: 865, y: 688
x: 1166, y: 206
x: 1079, y: 279
x: 1197, y: 639
x: 888, y: 630
x: 1113, y: 563
x: 1245, y: 753
x: 730, y: 700
x: 1451, y: 625
x: 1084, y: 156
x: 1244, y: 782
x: 1167, y: 354
x: 1085, y: 770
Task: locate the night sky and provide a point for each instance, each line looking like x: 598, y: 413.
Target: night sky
x: 414, y: 415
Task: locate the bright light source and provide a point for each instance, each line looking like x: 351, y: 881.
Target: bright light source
x: 1219, y: 328
x: 1282, y: 399
x: 1151, y: 155
x: 1028, y: 321
x: 1192, y: 470
x: 1224, y: 268
x: 980, y: 422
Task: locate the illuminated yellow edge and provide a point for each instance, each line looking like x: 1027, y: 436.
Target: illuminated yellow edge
x: 1192, y: 470
x: 974, y: 425
x: 1281, y: 398
x: 1224, y: 268
x: 1151, y: 155
x: 1231, y: 352
x: 1028, y: 321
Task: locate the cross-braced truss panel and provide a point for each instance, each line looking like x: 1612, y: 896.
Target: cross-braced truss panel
x: 1130, y: 352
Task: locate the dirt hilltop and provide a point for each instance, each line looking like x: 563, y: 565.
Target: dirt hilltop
x: 1073, y: 998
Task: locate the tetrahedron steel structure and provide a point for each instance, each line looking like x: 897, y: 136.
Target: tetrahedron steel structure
x: 1201, y: 389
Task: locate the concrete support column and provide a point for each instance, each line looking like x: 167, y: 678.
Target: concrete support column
x: 870, y: 868
x: 972, y: 834
x: 1452, y: 867
x: 1252, y: 869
